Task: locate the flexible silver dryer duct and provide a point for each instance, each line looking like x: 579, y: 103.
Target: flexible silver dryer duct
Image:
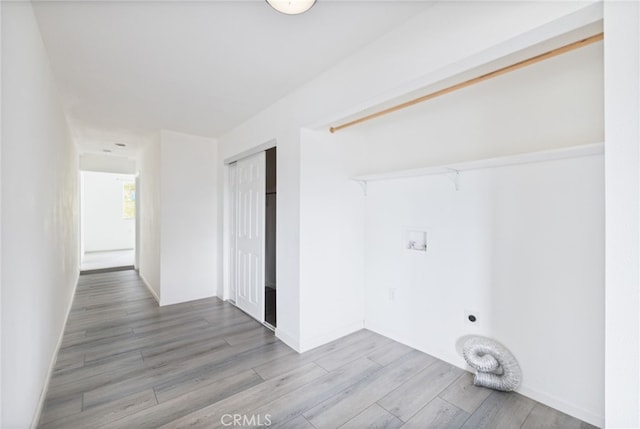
x: 496, y: 368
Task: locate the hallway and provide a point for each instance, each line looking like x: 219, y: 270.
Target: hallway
x: 125, y: 362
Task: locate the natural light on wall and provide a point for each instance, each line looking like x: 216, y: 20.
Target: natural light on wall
x: 128, y: 200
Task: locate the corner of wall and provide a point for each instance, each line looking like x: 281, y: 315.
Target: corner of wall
x: 151, y: 290
x: 149, y: 256
x: 313, y: 342
x: 289, y: 340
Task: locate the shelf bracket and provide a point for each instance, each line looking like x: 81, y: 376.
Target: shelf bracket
x: 454, y: 176
x: 363, y: 185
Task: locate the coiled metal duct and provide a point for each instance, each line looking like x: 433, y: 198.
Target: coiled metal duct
x: 496, y: 368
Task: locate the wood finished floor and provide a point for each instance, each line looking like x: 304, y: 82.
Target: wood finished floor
x: 126, y: 363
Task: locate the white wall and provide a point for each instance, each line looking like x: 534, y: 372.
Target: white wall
x: 552, y: 104
x: 522, y: 247
x: 150, y: 223
x: 103, y: 226
x: 188, y: 217
x: 178, y: 218
x: 331, y: 238
x: 441, y: 36
x: 39, y: 216
x: 622, y: 132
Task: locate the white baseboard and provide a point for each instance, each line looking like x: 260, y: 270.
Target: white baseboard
x: 165, y: 302
x: 153, y: 292
x: 524, y: 390
x: 402, y: 338
x: 54, y: 358
x: 107, y: 250
x: 317, y: 341
x: 288, y: 339
x: 563, y: 406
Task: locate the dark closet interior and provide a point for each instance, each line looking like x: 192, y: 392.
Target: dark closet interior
x: 270, y: 239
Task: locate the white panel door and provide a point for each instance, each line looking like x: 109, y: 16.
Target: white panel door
x: 250, y: 204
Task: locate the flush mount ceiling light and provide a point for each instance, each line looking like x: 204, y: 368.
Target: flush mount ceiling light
x: 291, y: 7
x: 121, y: 144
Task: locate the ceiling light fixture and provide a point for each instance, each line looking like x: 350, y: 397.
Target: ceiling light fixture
x: 120, y: 144
x: 291, y: 7
x: 106, y: 150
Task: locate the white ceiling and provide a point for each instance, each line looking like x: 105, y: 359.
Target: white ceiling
x: 128, y: 69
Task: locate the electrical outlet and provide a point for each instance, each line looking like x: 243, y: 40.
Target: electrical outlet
x: 392, y: 294
x: 472, y: 317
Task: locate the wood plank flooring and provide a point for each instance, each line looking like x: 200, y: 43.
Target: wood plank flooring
x: 126, y: 363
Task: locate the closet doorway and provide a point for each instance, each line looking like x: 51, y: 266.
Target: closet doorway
x: 252, y: 235
x: 270, y: 238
